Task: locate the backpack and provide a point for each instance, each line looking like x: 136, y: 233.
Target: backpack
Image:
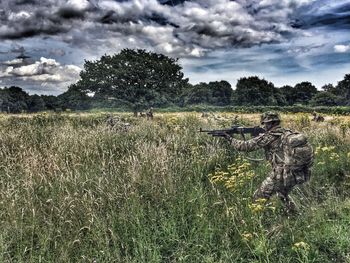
x: 298, y: 152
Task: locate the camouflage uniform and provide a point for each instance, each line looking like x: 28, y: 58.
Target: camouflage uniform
x: 317, y: 117
x: 281, y: 179
x: 149, y: 114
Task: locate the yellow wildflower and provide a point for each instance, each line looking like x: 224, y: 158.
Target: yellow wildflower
x: 261, y: 201
x: 334, y: 156
x: 247, y: 236
x: 236, y: 176
x: 230, y: 183
x: 318, y: 148
x: 256, y: 208
x: 217, y: 179
x: 301, y: 246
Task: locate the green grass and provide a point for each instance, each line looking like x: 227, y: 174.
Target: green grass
x: 73, y: 189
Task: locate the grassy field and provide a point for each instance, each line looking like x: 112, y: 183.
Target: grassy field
x: 74, y: 188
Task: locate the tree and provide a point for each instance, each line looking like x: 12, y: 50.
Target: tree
x: 288, y: 93
x: 329, y: 88
x: 214, y: 93
x: 256, y: 91
x: 343, y: 90
x: 197, y: 94
x: 14, y: 99
x: 221, y: 92
x: 51, y: 102
x: 74, y: 99
x: 303, y: 92
x: 324, y: 98
x: 36, y: 103
x: 135, y: 76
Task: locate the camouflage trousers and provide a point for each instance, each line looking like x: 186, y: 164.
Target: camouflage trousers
x: 281, y: 181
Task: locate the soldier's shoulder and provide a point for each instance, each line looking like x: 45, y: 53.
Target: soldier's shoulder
x: 278, y: 131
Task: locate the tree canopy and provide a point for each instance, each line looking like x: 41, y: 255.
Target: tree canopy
x: 343, y: 90
x: 303, y: 92
x: 213, y: 93
x: 256, y: 91
x: 324, y: 98
x: 135, y: 76
x: 15, y: 100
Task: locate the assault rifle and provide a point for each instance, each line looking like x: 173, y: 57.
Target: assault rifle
x: 235, y: 129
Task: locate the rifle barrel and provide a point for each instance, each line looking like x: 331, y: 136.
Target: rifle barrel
x: 253, y: 131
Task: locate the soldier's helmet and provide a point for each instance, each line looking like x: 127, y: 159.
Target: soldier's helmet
x: 269, y: 117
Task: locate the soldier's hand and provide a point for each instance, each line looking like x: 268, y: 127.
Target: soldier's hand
x: 227, y: 136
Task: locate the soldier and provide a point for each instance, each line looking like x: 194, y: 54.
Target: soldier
x: 288, y: 168
x: 149, y: 114
x: 235, y: 120
x: 317, y: 117
x: 204, y: 114
x: 117, y: 123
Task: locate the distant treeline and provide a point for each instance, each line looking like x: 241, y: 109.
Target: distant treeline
x: 337, y: 110
x: 137, y: 79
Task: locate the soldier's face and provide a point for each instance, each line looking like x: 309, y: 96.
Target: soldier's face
x: 269, y: 125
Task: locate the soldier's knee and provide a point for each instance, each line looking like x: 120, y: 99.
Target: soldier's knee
x: 262, y: 194
x: 266, y: 189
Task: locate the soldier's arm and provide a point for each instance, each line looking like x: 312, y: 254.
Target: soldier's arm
x: 252, y: 144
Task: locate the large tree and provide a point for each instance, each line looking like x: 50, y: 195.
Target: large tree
x: 135, y: 76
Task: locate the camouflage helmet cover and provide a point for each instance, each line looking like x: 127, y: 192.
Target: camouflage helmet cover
x: 269, y: 117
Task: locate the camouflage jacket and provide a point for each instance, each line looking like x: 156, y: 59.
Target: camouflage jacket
x: 269, y: 141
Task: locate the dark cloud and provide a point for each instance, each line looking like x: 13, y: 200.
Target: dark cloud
x: 28, y: 24
x: 31, y: 32
x: 70, y: 13
x: 188, y: 28
x: 171, y: 2
x: 334, y: 14
x: 25, y: 2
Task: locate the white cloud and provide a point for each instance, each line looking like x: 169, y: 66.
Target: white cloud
x: 16, y: 61
x: 44, y: 70
x: 20, y: 15
x: 341, y: 48
x: 79, y: 4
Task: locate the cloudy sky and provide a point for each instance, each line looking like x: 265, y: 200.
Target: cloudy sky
x: 43, y: 43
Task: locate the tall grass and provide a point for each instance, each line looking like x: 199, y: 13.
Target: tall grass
x: 73, y: 189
